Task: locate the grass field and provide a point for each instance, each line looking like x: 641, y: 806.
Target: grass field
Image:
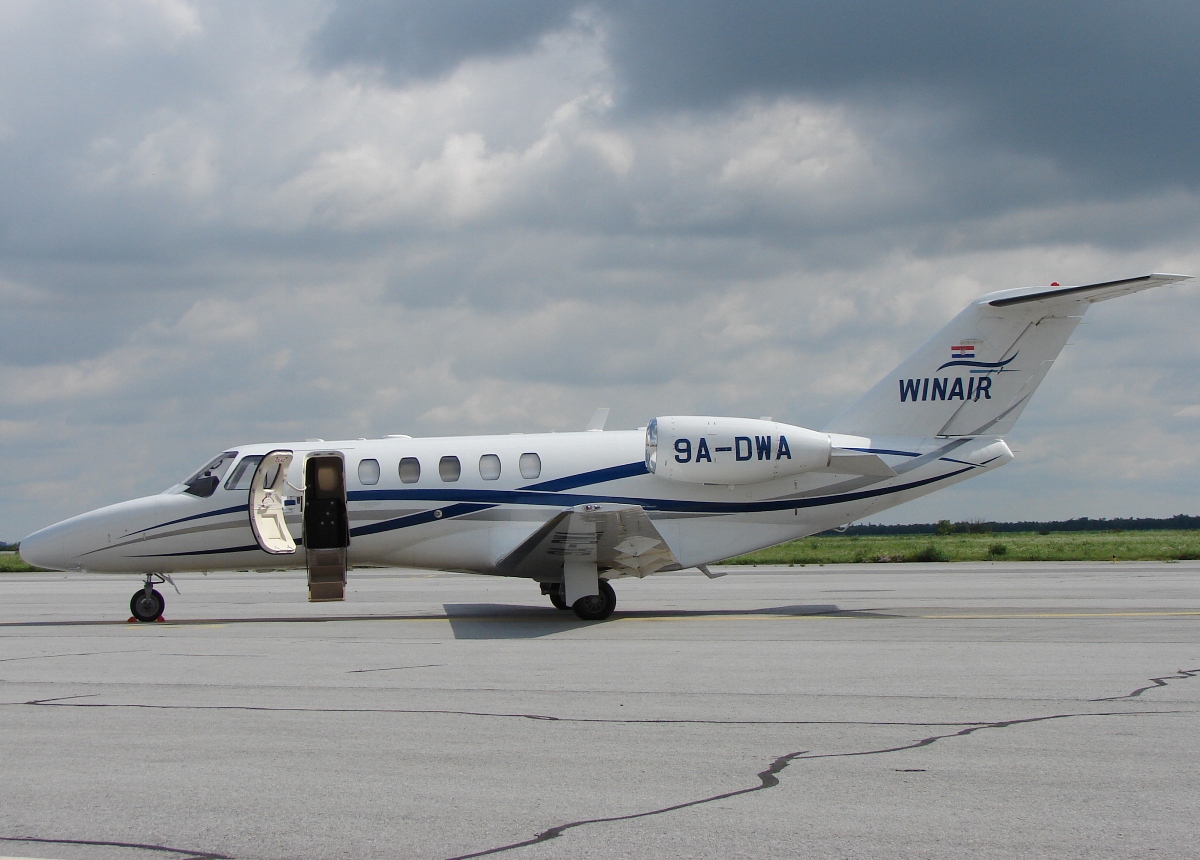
x: 1010, y: 546
x: 10, y: 562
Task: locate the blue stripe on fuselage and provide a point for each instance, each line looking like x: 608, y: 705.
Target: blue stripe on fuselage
x: 599, y: 476
x: 235, y: 509
x: 430, y: 516
x: 481, y: 499
x: 884, y: 451
x: 548, y: 494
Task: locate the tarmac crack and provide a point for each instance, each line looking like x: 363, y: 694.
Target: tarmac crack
x: 183, y: 853
x: 63, y: 702
x: 769, y: 778
x: 77, y: 654
x: 1183, y: 674
x: 395, y: 668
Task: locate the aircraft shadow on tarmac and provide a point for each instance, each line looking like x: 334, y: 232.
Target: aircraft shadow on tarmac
x: 500, y: 620
x: 506, y: 621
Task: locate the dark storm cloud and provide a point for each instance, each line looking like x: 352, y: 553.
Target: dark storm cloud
x: 1105, y: 90
x: 423, y: 40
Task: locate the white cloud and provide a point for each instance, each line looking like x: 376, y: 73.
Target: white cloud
x: 258, y: 249
x: 148, y: 20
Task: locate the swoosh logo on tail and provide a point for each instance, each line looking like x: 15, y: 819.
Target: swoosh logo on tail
x: 995, y: 365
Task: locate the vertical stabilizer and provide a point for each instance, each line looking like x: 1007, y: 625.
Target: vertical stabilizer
x: 977, y: 374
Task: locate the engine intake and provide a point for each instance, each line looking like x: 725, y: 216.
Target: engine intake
x: 703, y: 450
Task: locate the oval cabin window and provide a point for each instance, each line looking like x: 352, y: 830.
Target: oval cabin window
x: 368, y: 472
x: 410, y: 470
x: 489, y: 467
x: 450, y: 469
x: 531, y: 466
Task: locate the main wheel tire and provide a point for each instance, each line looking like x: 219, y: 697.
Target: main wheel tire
x: 147, y: 607
x: 597, y: 607
x: 556, y: 597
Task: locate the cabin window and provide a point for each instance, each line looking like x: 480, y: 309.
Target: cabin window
x: 368, y: 472
x: 410, y: 470
x: 531, y: 466
x: 244, y: 473
x: 489, y: 467
x: 450, y: 469
x: 204, y: 482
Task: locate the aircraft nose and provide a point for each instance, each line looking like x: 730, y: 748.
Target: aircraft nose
x: 80, y: 543
x: 49, y: 548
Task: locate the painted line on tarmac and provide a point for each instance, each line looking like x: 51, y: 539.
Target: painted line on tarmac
x: 1169, y: 614
x: 900, y: 613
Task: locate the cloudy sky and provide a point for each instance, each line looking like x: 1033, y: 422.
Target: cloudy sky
x: 231, y: 222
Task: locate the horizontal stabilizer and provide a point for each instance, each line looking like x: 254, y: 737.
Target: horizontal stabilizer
x: 1089, y: 293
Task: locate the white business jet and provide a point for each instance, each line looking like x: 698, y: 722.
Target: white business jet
x: 573, y: 510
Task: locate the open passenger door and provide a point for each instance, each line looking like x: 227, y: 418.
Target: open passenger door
x: 326, y: 525
x: 266, y: 504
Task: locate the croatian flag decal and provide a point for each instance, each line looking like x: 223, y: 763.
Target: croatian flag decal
x: 964, y: 351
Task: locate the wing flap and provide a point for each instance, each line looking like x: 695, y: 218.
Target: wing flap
x: 625, y: 542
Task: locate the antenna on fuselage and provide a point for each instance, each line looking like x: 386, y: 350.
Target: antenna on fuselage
x: 599, y: 418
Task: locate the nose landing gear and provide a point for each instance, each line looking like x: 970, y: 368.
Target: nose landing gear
x: 147, y: 604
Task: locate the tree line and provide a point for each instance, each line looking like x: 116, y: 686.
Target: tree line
x: 1179, y: 522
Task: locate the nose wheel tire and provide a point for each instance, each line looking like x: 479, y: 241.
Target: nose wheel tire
x: 597, y: 607
x: 147, y: 607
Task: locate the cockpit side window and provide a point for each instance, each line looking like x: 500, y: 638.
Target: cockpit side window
x: 244, y: 473
x: 205, y: 481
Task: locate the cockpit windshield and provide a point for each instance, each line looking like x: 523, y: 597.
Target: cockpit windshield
x: 206, y: 480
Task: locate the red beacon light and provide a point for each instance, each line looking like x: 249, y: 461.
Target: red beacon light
x: 1054, y: 284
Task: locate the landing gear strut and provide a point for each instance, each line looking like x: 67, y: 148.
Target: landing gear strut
x: 597, y: 607
x: 147, y: 604
x: 554, y: 590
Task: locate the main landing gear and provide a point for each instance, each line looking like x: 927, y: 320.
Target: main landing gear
x: 594, y: 607
x: 147, y: 604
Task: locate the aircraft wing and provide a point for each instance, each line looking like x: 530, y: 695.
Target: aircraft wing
x: 621, y: 538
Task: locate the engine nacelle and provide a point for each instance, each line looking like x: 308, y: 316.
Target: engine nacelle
x: 703, y: 450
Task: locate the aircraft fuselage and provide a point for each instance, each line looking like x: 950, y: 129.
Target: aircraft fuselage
x: 472, y: 524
